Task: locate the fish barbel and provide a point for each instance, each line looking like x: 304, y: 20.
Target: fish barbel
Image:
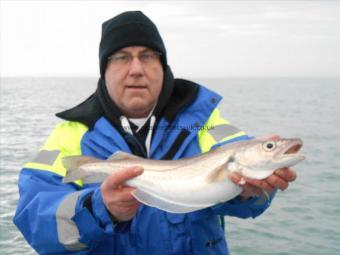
x: 190, y: 184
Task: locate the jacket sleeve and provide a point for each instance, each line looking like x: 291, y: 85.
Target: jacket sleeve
x: 241, y: 208
x: 51, y: 214
x: 216, y: 132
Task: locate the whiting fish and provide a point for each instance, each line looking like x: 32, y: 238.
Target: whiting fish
x: 190, y: 184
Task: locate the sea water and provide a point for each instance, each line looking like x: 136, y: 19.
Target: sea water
x: 303, y: 220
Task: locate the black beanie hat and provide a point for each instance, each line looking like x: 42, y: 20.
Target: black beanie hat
x: 130, y: 28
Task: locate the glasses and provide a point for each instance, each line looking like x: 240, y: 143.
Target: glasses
x: 147, y: 58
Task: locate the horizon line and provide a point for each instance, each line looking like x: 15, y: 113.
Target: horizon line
x: 188, y: 77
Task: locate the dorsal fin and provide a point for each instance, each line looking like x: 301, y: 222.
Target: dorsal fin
x: 121, y: 155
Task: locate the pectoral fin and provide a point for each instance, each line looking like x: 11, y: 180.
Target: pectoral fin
x: 75, y: 174
x: 218, y: 174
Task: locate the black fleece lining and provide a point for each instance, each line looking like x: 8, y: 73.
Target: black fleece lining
x: 88, y: 112
x: 177, y: 144
x: 175, y: 96
x: 184, y: 93
x: 88, y: 203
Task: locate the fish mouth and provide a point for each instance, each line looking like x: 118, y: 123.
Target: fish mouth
x: 291, y: 150
x: 294, y: 149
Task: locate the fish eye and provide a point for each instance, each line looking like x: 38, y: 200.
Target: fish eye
x: 269, y: 146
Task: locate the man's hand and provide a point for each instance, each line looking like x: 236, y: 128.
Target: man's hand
x: 117, y: 197
x: 278, y: 180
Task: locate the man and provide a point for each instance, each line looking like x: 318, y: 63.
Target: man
x: 138, y: 108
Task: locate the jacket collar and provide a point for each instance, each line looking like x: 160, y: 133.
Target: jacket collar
x: 175, y: 95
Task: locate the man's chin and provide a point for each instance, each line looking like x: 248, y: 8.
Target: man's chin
x: 138, y: 110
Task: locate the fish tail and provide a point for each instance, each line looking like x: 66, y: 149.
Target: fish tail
x: 73, y: 166
x: 75, y: 174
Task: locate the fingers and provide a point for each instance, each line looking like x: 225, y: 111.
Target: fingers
x: 281, y: 178
x: 118, y: 178
x: 123, y: 194
x: 125, y: 213
x: 127, y: 204
x: 287, y: 174
x: 251, y: 187
x: 121, y: 204
x: 117, y: 197
x: 277, y: 182
x: 257, y: 186
x: 264, y: 185
x: 235, y: 178
x: 248, y: 188
x: 251, y: 190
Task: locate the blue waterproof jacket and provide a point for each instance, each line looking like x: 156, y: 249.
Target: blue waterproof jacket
x: 54, y: 218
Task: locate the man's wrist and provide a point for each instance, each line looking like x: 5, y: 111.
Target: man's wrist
x: 244, y: 198
x: 113, y: 218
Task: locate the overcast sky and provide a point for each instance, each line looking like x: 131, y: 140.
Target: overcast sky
x: 203, y: 38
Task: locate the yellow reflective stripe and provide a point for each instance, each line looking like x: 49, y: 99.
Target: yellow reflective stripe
x: 206, y: 139
x: 39, y: 166
x: 60, y: 170
x: 65, y: 138
x: 232, y: 136
x: 215, y: 119
x: 57, y: 166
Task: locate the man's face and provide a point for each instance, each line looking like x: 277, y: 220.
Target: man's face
x: 134, y: 77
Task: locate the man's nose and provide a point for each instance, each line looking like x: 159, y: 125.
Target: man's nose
x: 136, y: 67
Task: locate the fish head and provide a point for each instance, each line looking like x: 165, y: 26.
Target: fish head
x: 259, y: 158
